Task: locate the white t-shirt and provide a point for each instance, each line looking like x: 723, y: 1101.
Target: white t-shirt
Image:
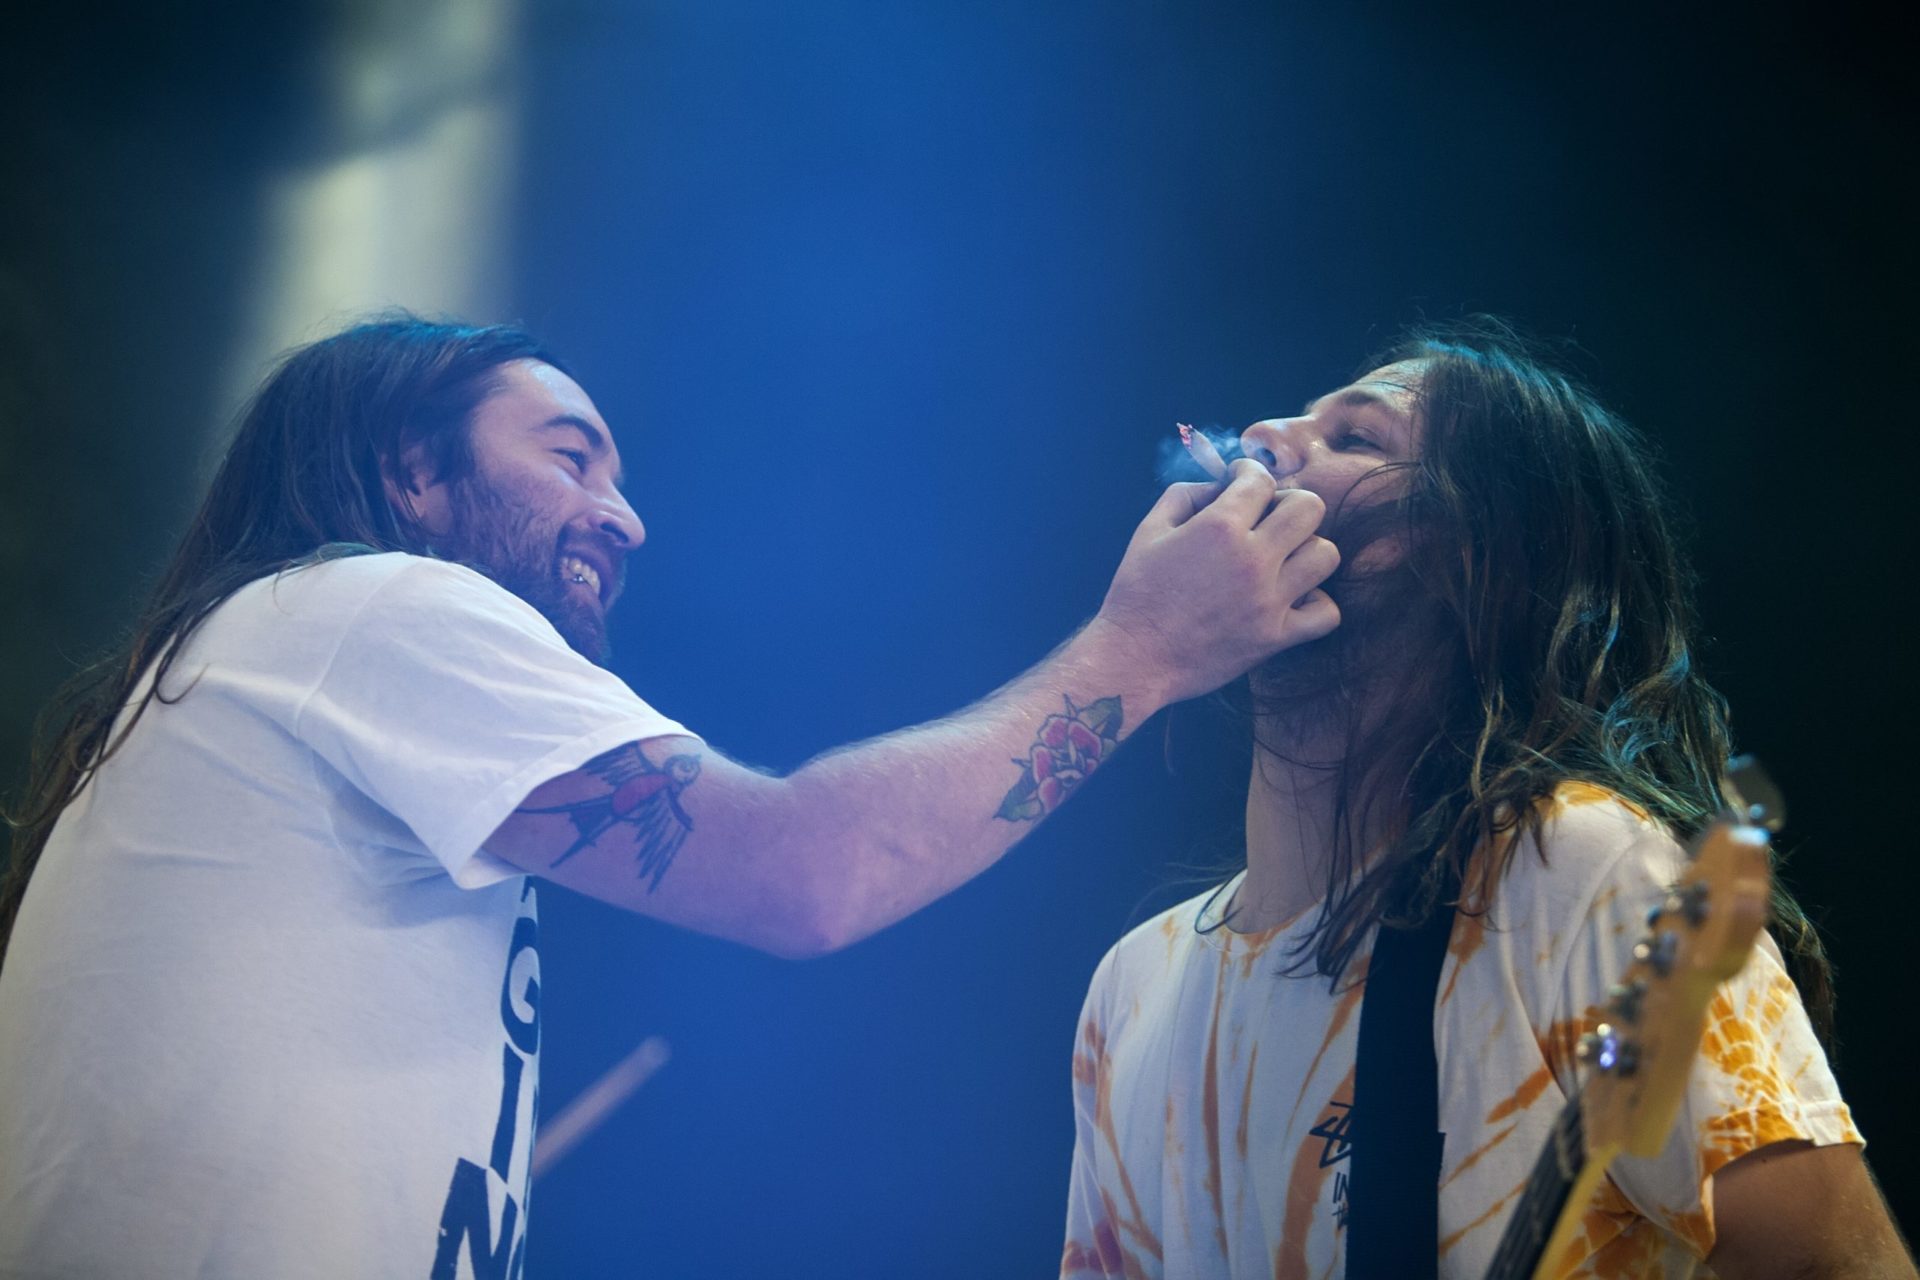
x: 1211, y: 1090
x: 269, y: 1009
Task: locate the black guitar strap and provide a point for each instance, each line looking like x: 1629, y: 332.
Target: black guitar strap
x: 1393, y: 1188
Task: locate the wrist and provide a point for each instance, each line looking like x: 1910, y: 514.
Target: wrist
x: 1110, y: 660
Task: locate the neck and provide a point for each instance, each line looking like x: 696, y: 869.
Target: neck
x: 1312, y: 706
x: 1290, y: 819
x: 1294, y: 817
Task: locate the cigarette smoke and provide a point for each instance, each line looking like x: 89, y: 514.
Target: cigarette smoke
x: 1175, y: 463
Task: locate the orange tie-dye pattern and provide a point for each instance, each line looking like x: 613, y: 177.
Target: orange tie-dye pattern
x: 1174, y: 1167
x: 1097, y: 1072
x: 1306, y: 1181
x: 1349, y: 1001
x: 1210, y: 1110
x: 1102, y: 1257
x: 1246, y: 1105
x: 1576, y: 795
x: 1473, y: 1157
x: 1447, y: 1242
x: 1524, y: 1096
x: 1170, y: 930
x: 1738, y: 1043
x: 1613, y: 1241
x: 1695, y: 1228
x: 1468, y: 936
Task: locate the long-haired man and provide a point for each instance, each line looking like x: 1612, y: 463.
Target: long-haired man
x: 269, y: 1004
x: 1507, y: 732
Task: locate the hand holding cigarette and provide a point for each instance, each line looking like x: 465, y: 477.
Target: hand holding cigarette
x: 1221, y: 575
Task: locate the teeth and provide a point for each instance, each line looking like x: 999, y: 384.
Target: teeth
x: 574, y: 569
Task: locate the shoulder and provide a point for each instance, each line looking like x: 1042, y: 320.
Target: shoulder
x: 390, y: 589
x: 381, y: 618
x: 1163, y: 939
x: 1570, y: 903
x: 1590, y: 843
x: 1157, y: 951
x: 364, y: 576
x: 1584, y: 822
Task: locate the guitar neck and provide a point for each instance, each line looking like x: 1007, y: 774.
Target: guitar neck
x: 1562, y: 1180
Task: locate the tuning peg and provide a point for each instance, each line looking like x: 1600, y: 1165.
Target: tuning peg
x: 1624, y: 999
x: 1751, y: 795
x: 1604, y: 1050
x: 1658, y: 951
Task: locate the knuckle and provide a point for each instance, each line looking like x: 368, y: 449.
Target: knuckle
x: 1214, y: 530
x: 1306, y: 502
x: 1166, y: 509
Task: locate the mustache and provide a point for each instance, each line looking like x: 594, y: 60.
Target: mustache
x: 595, y: 550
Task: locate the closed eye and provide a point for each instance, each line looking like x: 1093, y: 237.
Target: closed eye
x: 577, y: 457
x: 1351, y: 440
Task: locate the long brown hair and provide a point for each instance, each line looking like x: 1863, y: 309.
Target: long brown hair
x: 1545, y: 594
x: 304, y: 478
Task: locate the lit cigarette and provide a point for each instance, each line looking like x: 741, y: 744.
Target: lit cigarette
x: 1203, y: 451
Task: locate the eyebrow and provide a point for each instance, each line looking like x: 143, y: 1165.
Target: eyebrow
x: 596, y: 438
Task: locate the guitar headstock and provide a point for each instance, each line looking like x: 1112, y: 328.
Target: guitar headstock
x: 1697, y: 938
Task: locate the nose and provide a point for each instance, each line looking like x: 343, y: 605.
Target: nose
x: 1280, y: 444
x: 614, y: 519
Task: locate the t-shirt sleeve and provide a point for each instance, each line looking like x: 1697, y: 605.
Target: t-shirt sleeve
x: 448, y: 700
x: 1760, y: 1076
x: 1091, y: 1248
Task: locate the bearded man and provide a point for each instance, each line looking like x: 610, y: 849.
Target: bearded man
x: 270, y: 996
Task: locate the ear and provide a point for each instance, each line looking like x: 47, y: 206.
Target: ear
x: 415, y: 493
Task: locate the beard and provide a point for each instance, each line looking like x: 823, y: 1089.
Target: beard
x: 1374, y: 665
x: 496, y: 529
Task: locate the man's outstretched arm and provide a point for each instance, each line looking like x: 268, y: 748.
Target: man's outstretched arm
x: 866, y: 835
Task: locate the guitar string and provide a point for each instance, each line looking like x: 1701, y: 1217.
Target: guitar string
x: 1544, y: 1196
x: 1522, y: 1235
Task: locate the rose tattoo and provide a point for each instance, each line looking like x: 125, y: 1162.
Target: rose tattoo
x: 1067, y: 749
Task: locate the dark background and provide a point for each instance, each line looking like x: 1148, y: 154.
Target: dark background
x: 893, y: 307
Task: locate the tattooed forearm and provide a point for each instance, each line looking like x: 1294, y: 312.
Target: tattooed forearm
x: 634, y: 793
x: 1067, y: 749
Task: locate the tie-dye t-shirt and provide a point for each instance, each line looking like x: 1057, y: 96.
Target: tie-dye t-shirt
x: 1212, y: 1089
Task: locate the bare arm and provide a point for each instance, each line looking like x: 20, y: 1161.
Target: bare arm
x: 1794, y: 1211
x: 863, y: 836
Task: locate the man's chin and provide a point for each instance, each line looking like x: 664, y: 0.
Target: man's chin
x: 583, y: 627
x: 579, y: 621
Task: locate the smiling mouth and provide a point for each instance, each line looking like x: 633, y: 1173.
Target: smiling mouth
x: 578, y: 571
